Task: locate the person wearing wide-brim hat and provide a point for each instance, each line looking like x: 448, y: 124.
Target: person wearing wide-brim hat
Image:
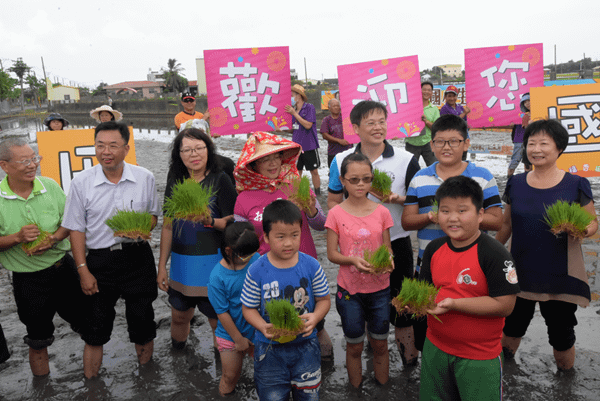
x: 266, y: 171
x: 304, y: 132
x: 56, y: 122
x: 106, y: 113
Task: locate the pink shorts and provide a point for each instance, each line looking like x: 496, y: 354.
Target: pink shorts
x: 225, y: 345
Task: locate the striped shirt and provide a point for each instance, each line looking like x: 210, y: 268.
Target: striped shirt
x: 421, y: 191
x: 300, y: 285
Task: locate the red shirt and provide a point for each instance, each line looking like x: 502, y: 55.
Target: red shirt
x: 484, y: 268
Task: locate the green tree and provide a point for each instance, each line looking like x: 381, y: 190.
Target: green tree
x: 174, y: 80
x: 100, y: 91
x: 6, y: 85
x: 19, y: 68
x: 35, y: 88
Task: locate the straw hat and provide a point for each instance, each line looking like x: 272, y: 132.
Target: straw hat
x: 95, y: 114
x: 55, y: 116
x: 300, y: 90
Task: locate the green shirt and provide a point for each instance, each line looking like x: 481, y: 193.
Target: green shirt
x: 44, y: 206
x: 431, y: 113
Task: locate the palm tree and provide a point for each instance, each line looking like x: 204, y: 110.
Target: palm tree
x: 174, y: 80
x: 19, y: 69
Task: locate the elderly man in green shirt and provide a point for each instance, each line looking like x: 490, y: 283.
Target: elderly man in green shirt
x: 420, y: 145
x: 45, y: 282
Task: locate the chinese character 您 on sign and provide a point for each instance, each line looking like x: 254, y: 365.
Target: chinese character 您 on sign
x: 514, y: 82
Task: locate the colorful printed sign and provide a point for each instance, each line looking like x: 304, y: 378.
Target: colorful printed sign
x: 68, y: 152
x: 248, y: 89
x: 394, y: 82
x: 496, y: 77
x: 439, y: 92
x: 578, y: 109
x: 326, y: 96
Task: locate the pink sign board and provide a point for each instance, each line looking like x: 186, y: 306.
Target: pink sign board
x: 248, y: 89
x: 496, y: 77
x: 395, y: 82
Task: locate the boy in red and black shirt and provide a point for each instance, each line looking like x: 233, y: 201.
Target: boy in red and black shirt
x: 478, y: 286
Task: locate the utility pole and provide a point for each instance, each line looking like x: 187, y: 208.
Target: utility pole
x: 305, y: 73
x: 46, y: 83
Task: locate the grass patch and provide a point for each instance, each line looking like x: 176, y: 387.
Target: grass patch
x: 285, y: 319
x: 301, y: 195
x: 418, y: 295
x: 382, y: 184
x: 380, y: 260
x: 189, y: 201
x: 41, y: 241
x: 569, y: 218
x: 131, y: 224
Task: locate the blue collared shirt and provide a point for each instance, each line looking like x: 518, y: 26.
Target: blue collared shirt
x: 93, y: 199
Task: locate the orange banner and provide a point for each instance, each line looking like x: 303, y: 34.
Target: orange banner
x: 68, y: 152
x: 577, y: 107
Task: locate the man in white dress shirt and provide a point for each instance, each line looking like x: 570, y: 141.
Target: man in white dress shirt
x: 114, y: 267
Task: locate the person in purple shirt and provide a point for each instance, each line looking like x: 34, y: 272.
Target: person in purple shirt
x: 452, y: 107
x: 304, y: 119
x: 333, y: 132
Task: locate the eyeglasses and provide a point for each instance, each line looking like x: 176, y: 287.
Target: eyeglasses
x: 371, y: 124
x: 188, y: 151
x: 454, y: 143
x: 27, y: 162
x: 111, y: 148
x: 356, y: 180
x: 189, y: 100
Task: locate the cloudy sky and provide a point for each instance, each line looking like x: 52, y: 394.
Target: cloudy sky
x: 116, y: 41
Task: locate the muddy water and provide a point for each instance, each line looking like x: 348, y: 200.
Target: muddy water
x: 194, y: 372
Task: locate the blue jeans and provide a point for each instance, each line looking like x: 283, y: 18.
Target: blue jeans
x: 281, y: 368
x: 356, y: 309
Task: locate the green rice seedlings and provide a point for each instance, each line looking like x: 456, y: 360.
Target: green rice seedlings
x: 567, y: 217
x: 380, y: 260
x: 285, y: 319
x: 418, y: 295
x: 382, y: 184
x: 189, y: 201
x: 43, y: 240
x: 301, y: 195
x: 131, y: 224
x: 435, y: 209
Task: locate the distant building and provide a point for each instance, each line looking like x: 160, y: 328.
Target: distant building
x: 148, y: 89
x: 61, y: 92
x: 425, y: 77
x: 293, y: 74
x: 452, y: 70
x: 155, y: 76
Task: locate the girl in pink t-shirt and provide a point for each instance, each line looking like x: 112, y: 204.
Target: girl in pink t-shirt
x: 362, y: 297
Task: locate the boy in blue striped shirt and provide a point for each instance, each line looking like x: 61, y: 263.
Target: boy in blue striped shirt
x: 448, y: 140
x: 290, y: 364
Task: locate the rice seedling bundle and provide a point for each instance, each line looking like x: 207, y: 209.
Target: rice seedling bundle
x: 301, y: 195
x: 380, y: 260
x: 418, y: 295
x: 567, y: 217
x: 189, y: 201
x: 41, y: 241
x: 131, y: 224
x: 285, y: 319
x: 382, y: 184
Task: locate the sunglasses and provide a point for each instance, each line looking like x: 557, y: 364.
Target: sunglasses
x: 356, y: 180
x: 189, y: 100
